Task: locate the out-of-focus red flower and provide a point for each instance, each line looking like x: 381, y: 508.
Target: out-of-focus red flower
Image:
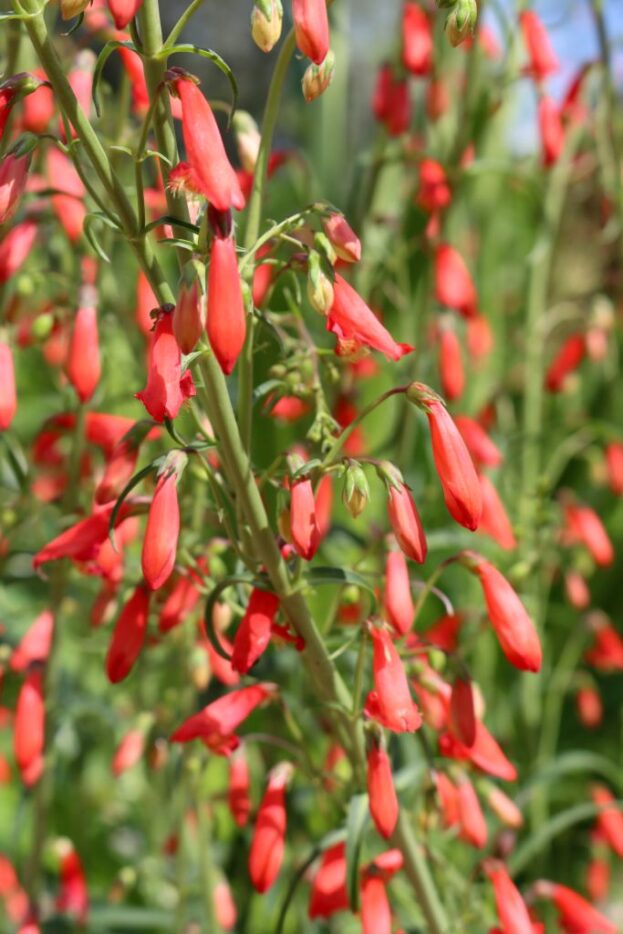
x: 15, y: 247
x: 576, y: 590
x: 83, y: 360
x: 552, y: 131
x: 566, y: 361
x: 451, y: 372
x: 303, y: 526
x: 542, y: 60
x: 128, y: 752
x: 37, y: 108
x: 614, y: 465
x: 68, y: 203
x: 8, y: 391
x: 13, y: 175
x: 328, y: 893
x: 417, y: 40
x: 81, y: 541
x: 354, y: 323
x: 34, y: 645
x: 479, y: 338
x: 585, y: 526
x: 610, y: 820
x: 576, y: 915
x: 397, y: 598
x: 122, y: 11
x: 253, y: 634
x: 128, y: 636
x: 448, y: 799
x: 224, y: 905
x: 166, y: 389
x: 238, y: 792
x: 376, y: 915
x: 268, y: 843
x: 494, y: 521
x: 485, y: 754
x: 180, y: 602
x: 73, y: 897
x: 510, y: 906
x: 381, y: 791
x: 515, y: 630
x: 342, y: 237
x: 606, y: 653
x: 217, y: 723
x: 483, y: 450
x: 390, y: 703
x: 462, y: 711
x: 454, y: 287
x: 589, y: 706
x: 406, y: 523
x: 434, y: 193
x: 472, y: 823
x: 504, y: 808
x: 311, y: 28
x: 29, y: 727
x: 391, y: 104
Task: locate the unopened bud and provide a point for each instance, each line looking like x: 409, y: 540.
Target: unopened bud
x: 71, y: 8
x: 317, y: 78
x: 247, y: 139
x: 343, y: 239
x: 319, y: 285
x: 189, y: 314
x: 461, y: 21
x: 266, y: 20
x: 356, y: 492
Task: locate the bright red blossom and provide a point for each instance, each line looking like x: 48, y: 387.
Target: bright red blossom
x: 406, y: 523
x: 390, y: 702
x: 128, y: 636
x: 268, y: 843
x: 461, y: 487
x: 226, y: 322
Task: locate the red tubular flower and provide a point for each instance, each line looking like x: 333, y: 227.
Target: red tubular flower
x: 609, y: 820
x: 212, y: 172
x: 353, y: 322
x: 122, y: 11
x: 577, y: 916
x: 614, y: 465
x: 568, y: 359
x: 80, y: 542
x: 253, y: 633
x: 542, y: 58
x: 166, y: 388
x: 433, y: 192
x: 15, y: 247
x: 227, y: 326
x: 391, y: 104
x: 590, y: 707
x: 8, y: 392
x: 459, y: 480
x: 585, y: 526
x: 472, y: 823
x: 417, y: 40
x: 397, y: 599
x: 37, y: 108
x: 68, y: 204
x: 83, y: 361
x: 406, y: 523
x: 13, y: 175
x: 390, y: 703
x: 485, y: 754
x: 598, y: 878
x: 29, y: 725
x: 480, y: 339
x: 343, y: 238
x: 181, y: 601
x: 162, y: 530
x: 128, y: 636
x: 552, y: 131
x: 224, y: 906
x: 34, y: 645
x: 128, y: 752
x: 217, y: 722
x: 303, y: 525
x: 515, y: 630
x: 484, y: 452
x: 376, y: 914
x: 495, y: 521
x: 381, y: 792
x: 188, y: 318
x: 268, y: 843
x: 451, y: 372
x: 510, y: 906
x: 239, y: 786
x: 73, y: 898
x: 328, y: 893
x: 454, y: 287
x: 311, y: 28
x: 462, y: 714
x: 448, y: 799
x: 607, y: 652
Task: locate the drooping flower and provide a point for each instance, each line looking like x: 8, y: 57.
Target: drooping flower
x: 504, y: 808
x: 34, y: 646
x: 80, y: 542
x: 8, y: 392
x: 513, y: 627
x: 455, y: 468
x: 390, y: 703
x: 448, y: 799
x: 406, y: 523
x: 494, y: 521
x: 128, y: 752
x: 180, y: 602
x: 434, y: 193
x: 83, y: 360
x: 303, y: 524
x: 226, y: 322
x: 381, y: 791
x: 353, y: 322
x: 311, y: 28
x: 485, y: 754
x: 217, y: 723
x: 166, y: 388
x: 577, y: 916
x: 189, y: 314
x: 68, y: 199
x: 163, y: 525
x: 328, y: 893
x: 585, y: 526
x: 397, y: 599
x: 462, y: 712
x: 73, y: 897
x: 343, y: 238
x: 566, y: 361
x: 510, y: 906
x: 253, y: 634
x: 376, y: 915
x: 552, y: 131
x: 121, y: 463
x: 614, y: 465
x: 454, y: 287
x: 238, y: 789
x: 589, y: 706
x: 29, y: 727
x: 128, y: 636
x: 451, y: 371
x: 268, y: 843
x: 472, y: 823
x: 211, y: 170
x: 609, y: 820
x: 543, y: 61
x: 123, y: 11
x: 417, y: 40
x: 483, y: 450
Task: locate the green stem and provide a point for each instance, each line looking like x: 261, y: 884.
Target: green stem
x: 343, y: 437
x: 178, y: 29
x: 254, y: 218
x: 418, y: 873
x: 206, y: 863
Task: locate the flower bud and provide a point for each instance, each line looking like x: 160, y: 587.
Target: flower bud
x: 189, y: 314
x: 266, y: 21
x: 247, y: 139
x: 319, y: 285
x: 317, y: 78
x: 267, y: 846
x: 128, y: 636
x: 8, y: 392
x: 356, y: 492
x: 163, y: 524
x: 83, y: 361
x: 71, y: 8
x: 381, y: 791
x: 342, y: 237
x: 461, y: 21
x: 311, y: 27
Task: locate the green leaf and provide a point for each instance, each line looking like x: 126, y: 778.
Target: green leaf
x: 525, y: 853
x: 355, y: 825
x: 90, y: 233
x: 14, y: 465
x: 173, y: 221
x: 214, y: 57
x: 102, y: 58
x: 571, y: 762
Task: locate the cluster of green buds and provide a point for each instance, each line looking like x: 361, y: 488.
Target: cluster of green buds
x: 461, y: 19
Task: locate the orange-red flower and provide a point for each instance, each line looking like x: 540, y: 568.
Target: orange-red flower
x: 356, y: 325
x: 83, y: 360
x: 381, y: 791
x: 311, y: 28
x: 238, y: 795
x: 29, y: 727
x: 455, y: 468
x: 390, y: 703
x: 253, y: 633
x: 510, y: 906
x: 128, y: 636
x: 268, y: 843
x: 417, y: 40
x: 397, y: 599
x: 226, y: 324
x: 123, y: 11
x: 8, y: 392
x: 454, y: 287
x: 162, y: 530
x: 406, y: 523
x: 543, y: 61
x: 167, y: 388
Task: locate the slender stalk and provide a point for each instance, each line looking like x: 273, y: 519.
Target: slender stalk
x: 184, y: 19
x: 343, y: 437
x: 254, y: 218
x: 208, y: 879
x: 418, y: 873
